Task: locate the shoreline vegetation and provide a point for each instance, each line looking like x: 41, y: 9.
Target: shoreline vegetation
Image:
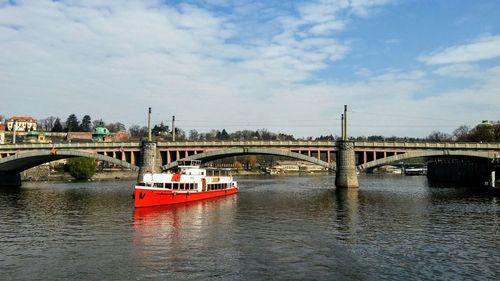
x: 109, y: 175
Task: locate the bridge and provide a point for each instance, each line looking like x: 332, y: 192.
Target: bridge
x: 368, y: 155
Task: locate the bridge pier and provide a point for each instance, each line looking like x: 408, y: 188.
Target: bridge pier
x: 148, y: 159
x: 346, y: 176
x: 10, y: 179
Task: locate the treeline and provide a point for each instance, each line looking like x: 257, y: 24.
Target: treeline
x: 164, y: 132
x: 487, y: 131
x: 72, y: 124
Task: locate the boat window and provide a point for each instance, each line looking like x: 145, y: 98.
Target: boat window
x: 158, y: 184
x: 168, y: 185
x: 175, y: 186
x: 141, y: 184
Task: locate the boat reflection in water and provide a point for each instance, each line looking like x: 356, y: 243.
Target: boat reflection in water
x: 168, y: 234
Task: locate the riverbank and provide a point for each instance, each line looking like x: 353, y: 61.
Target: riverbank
x: 45, y: 174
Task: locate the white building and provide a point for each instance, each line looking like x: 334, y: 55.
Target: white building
x: 2, y: 133
x: 22, y: 123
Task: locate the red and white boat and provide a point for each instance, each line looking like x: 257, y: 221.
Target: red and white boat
x: 188, y: 183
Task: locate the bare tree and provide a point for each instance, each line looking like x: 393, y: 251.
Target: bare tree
x: 116, y: 127
x: 461, y: 133
x: 437, y: 136
x: 193, y: 135
x: 98, y: 123
x: 137, y: 131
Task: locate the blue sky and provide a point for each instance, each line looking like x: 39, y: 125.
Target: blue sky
x: 404, y: 67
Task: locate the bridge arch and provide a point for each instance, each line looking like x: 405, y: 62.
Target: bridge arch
x: 427, y: 153
x: 219, y: 154
x: 24, y: 161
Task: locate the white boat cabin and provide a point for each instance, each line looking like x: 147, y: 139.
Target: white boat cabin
x: 189, y: 177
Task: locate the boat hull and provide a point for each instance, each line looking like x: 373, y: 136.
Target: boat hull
x: 156, y: 197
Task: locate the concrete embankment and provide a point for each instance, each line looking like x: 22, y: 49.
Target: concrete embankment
x: 44, y: 173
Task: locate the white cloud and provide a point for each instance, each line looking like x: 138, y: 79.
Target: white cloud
x: 113, y: 61
x: 483, y: 48
x: 460, y: 71
x: 325, y: 28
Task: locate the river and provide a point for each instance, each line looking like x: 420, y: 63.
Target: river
x: 275, y: 228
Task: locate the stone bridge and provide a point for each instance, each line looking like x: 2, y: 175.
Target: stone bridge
x: 16, y: 158
x: 445, y: 153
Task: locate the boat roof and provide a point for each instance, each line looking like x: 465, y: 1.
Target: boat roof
x: 189, y: 163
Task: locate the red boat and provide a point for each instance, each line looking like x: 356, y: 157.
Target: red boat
x: 188, y: 183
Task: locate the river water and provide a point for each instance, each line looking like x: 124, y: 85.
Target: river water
x: 275, y: 228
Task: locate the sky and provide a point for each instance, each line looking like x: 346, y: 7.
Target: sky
x: 403, y: 67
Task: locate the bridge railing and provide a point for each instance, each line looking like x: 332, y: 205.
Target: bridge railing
x: 429, y: 145
x: 246, y: 143
x: 305, y: 144
x: 97, y: 145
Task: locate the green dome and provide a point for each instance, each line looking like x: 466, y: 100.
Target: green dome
x: 100, y: 131
x: 485, y: 123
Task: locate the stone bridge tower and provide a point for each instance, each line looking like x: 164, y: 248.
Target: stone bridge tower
x: 346, y: 176
x: 148, y: 162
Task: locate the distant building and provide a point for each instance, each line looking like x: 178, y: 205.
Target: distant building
x: 120, y: 136
x: 295, y: 166
x: 2, y: 133
x: 36, y: 137
x: 21, y: 123
x: 486, y: 123
x: 79, y: 136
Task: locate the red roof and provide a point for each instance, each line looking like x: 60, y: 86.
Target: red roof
x: 21, y: 119
x: 2, y: 127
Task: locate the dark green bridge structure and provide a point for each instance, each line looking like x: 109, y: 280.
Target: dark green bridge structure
x: 367, y: 155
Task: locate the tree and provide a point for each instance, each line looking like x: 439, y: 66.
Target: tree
x: 160, y: 130
x: 81, y: 167
x: 482, y: 133
x: 461, y: 133
x: 180, y: 134
x: 72, y: 124
x: 98, y: 123
x: 286, y: 137
x: 496, y: 130
x: 116, y: 127
x: 47, y: 124
x: 57, y: 126
x: 86, y: 125
x: 137, y: 131
x: 212, y: 135
x: 224, y: 135
x: 437, y: 136
x: 249, y: 161
x: 193, y: 135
